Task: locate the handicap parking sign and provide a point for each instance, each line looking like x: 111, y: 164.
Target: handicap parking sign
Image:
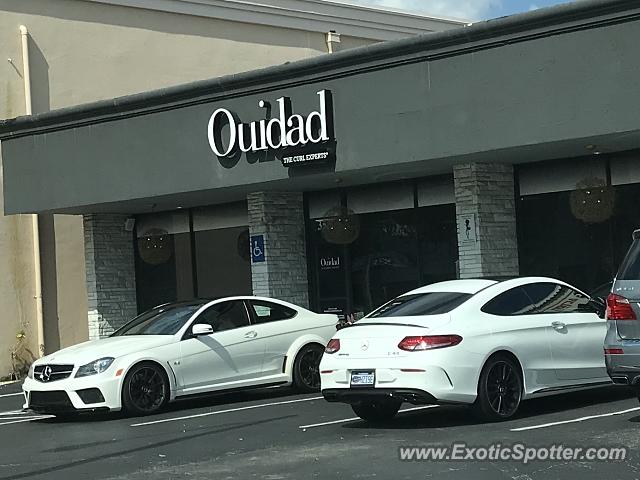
x: 257, y: 248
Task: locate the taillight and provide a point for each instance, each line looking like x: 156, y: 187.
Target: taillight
x: 619, y: 308
x: 428, y: 342
x: 613, y: 351
x: 333, y: 346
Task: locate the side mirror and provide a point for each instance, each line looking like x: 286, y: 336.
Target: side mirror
x: 201, y: 329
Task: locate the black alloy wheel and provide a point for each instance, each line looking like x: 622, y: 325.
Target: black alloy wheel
x: 145, y: 390
x: 499, y: 389
x: 306, y: 369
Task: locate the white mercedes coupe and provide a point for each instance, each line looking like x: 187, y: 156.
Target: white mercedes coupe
x: 180, y: 349
x: 485, y: 343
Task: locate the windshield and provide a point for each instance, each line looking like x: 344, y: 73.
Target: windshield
x: 432, y: 303
x: 630, y: 268
x: 165, y: 320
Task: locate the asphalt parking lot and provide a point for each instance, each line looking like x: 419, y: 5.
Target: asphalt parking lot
x: 277, y: 434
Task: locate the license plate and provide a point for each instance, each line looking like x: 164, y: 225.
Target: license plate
x: 363, y: 378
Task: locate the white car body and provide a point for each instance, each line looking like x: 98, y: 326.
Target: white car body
x: 259, y: 354
x: 556, y: 351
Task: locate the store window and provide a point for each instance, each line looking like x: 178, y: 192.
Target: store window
x: 367, y: 250
x: 221, y: 239
x: 163, y: 259
x: 187, y: 254
x: 578, y: 236
x: 223, y: 263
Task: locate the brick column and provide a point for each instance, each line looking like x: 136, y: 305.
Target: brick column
x: 109, y: 260
x: 486, y: 215
x: 279, y: 216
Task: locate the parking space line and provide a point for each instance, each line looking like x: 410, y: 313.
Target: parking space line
x: 352, y: 419
x: 30, y: 419
x: 11, y: 394
x: 581, y: 419
x: 229, y: 410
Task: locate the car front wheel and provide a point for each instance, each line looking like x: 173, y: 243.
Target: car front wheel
x: 377, y: 411
x: 499, y: 389
x: 145, y: 390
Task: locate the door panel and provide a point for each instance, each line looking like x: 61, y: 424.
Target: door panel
x: 576, y: 341
x: 233, y: 353
x: 278, y: 326
x: 514, y: 328
x: 575, y: 336
x: 526, y: 337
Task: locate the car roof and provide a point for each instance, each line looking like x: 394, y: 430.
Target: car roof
x: 205, y: 300
x: 470, y: 286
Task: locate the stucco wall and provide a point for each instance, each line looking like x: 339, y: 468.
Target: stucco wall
x: 81, y: 52
x: 16, y: 293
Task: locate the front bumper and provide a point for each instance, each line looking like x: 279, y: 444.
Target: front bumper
x: 95, y: 393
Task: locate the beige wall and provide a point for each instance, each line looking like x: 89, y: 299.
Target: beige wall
x: 84, y: 51
x: 81, y: 52
x: 16, y: 290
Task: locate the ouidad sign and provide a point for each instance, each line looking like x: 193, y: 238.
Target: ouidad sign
x: 295, y: 139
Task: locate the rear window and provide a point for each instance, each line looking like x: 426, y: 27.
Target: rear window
x: 431, y: 303
x: 630, y: 268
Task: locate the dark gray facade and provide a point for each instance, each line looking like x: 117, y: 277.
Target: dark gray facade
x: 525, y: 88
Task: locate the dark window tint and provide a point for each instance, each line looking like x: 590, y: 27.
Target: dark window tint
x: 165, y: 320
x: 270, y: 312
x: 630, y: 268
x: 431, y: 303
x: 511, y: 302
x: 554, y: 298
x: 225, y: 316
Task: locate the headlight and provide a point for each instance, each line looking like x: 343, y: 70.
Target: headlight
x: 97, y: 366
x: 30, y: 373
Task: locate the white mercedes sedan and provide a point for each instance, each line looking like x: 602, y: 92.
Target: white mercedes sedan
x: 180, y: 349
x: 484, y: 343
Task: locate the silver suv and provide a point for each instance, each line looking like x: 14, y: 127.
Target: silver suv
x: 622, y: 342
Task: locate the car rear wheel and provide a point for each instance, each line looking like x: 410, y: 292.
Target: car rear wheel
x: 306, y: 369
x: 377, y: 411
x: 499, y: 389
x: 145, y: 390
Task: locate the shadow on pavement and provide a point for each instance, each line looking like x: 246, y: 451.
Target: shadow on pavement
x: 189, y: 403
x: 456, y: 416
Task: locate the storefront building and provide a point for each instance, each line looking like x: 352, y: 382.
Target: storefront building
x: 508, y: 147
x: 80, y: 51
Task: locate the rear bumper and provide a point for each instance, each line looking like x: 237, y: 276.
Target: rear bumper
x: 625, y: 376
x: 358, y: 395
x: 624, y: 369
x: 420, y: 378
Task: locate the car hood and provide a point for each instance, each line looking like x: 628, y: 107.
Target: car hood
x: 106, y: 347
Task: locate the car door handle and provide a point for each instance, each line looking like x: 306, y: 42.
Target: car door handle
x: 558, y: 325
x: 251, y: 334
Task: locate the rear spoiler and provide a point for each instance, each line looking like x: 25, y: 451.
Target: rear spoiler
x: 636, y: 234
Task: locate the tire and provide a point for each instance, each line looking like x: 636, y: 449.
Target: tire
x: 306, y: 369
x: 145, y: 390
x: 377, y: 411
x: 499, y: 389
